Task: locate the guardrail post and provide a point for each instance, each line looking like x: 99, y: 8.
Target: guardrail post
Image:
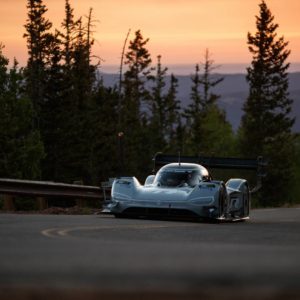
x: 81, y: 203
x: 9, y: 204
x: 42, y: 203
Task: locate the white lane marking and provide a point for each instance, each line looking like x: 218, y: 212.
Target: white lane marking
x: 51, y: 232
x: 62, y: 232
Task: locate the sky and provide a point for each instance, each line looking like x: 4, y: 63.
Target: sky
x: 179, y: 30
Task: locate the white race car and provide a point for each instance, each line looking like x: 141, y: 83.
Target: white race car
x: 184, y: 190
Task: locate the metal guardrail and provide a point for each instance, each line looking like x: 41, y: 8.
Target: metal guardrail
x: 44, y: 189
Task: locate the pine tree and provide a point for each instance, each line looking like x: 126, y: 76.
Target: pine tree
x: 66, y: 118
x: 193, y: 115
x: 165, y: 112
x: 172, y: 114
x: 38, y: 41
x: 157, y: 108
x: 197, y: 101
x: 266, y: 125
x: 69, y: 27
x: 157, y: 99
x: 52, y: 113
x: 218, y: 136
x: 138, y: 62
x: 83, y: 78
x: 21, y: 148
x: 207, y: 130
x: 73, y: 75
x: 134, y: 120
x: 209, y: 81
x: 104, y: 158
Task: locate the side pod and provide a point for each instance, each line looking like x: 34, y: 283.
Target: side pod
x: 238, y: 198
x: 124, y: 187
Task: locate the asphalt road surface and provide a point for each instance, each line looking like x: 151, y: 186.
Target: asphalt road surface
x: 100, y: 257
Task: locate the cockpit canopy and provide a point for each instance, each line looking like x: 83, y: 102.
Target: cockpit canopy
x: 180, y: 175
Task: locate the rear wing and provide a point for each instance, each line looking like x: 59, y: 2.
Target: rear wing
x: 258, y: 164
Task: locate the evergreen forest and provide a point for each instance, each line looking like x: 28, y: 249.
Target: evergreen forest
x: 59, y: 122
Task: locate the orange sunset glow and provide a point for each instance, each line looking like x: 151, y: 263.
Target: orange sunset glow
x: 179, y: 30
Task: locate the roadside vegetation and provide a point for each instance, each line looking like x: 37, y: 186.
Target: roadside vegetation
x: 59, y: 122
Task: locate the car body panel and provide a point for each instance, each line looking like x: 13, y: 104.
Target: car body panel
x: 196, y: 196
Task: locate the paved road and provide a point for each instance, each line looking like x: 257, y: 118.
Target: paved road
x: 83, y: 257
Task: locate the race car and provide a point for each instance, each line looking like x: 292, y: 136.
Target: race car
x: 184, y: 190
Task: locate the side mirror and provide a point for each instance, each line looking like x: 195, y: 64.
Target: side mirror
x: 149, y: 179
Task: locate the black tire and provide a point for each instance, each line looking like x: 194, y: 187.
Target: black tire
x: 222, y: 198
x: 246, y: 202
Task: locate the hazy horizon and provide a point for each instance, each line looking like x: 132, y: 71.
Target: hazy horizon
x: 188, y: 69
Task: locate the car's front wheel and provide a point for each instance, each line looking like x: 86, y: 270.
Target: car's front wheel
x: 222, y: 201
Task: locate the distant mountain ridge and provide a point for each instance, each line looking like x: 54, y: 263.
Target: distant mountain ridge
x: 233, y: 91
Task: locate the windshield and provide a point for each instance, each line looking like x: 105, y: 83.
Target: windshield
x: 173, y: 178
